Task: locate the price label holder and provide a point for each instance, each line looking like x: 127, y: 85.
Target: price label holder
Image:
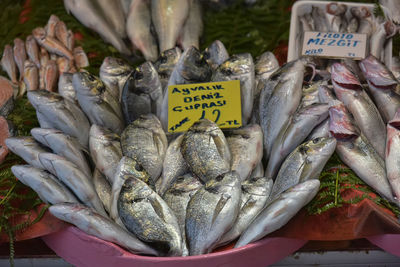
x: 335, y: 45
x: 216, y: 101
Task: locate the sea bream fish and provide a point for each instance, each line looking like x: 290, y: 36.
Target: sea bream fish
x: 206, y: 150
x: 46, y: 185
x: 367, y: 117
x: 391, y: 156
x: 165, y: 64
x: 114, y: 15
x: 103, y: 189
x: 100, y: 226
x: 101, y: 107
x: 279, y: 212
x: 53, y: 111
x: 206, y: 224
x: 146, y: 214
x: 215, y: 54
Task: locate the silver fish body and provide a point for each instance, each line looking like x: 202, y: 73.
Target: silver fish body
x: 258, y: 171
x: 61, y: 114
x: 193, y: 27
x: 320, y: 21
x: 46, y: 185
x: 206, y: 224
x: 392, y: 162
x: 165, y: 64
x: 97, y: 102
x: 27, y: 148
x: 103, y: 189
x: 31, y: 75
x: 63, y: 145
x: 383, y: 31
x: 168, y: 17
x: 8, y: 63
x: 215, y: 54
x: 102, y: 227
x: 146, y: 214
x: 279, y: 212
x: 255, y: 193
x: 114, y: 15
x: 105, y: 149
x: 206, y: 150
x: 239, y: 67
x: 336, y: 17
x: 32, y: 50
x: 246, y: 149
x: 144, y: 140
x: 66, y: 88
x: 321, y: 130
x: 265, y: 65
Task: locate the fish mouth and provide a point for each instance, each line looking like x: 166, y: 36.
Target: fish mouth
x: 343, y: 136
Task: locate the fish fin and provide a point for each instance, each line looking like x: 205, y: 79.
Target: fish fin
x: 220, y: 143
x: 158, y: 208
x: 218, y: 208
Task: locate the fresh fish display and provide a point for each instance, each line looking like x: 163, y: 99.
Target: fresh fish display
x: 80, y: 57
x: 291, y: 136
x: 165, y: 64
x: 138, y: 25
x: 336, y: 17
x: 277, y: 107
x: 63, y: 145
x: 255, y: 193
x: 6, y: 96
x: 142, y: 93
x: 206, y: 224
x: 215, y: 54
x: 97, y: 225
x: 8, y: 63
x: 32, y: 50
x: 97, y: 102
x: 114, y: 72
x: 79, y: 183
x: 146, y: 214
x: 19, y: 55
x: 168, y: 17
x: 51, y: 44
x: 105, y: 149
x: 177, y: 198
x: 50, y: 27
x: 50, y: 76
x: 383, y: 31
x: 103, y: 189
x: 174, y: 165
x: 144, y: 140
x: 381, y: 85
x: 55, y: 112
x: 321, y: 130
x: 349, y: 90
x: 114, y: 15
x: 27, y: 148
x: 391, y: 157
x: 193, y: 27
x: 279, y: 212
x: 61, y: 33
x: 206, y: 150
x: 88, y: 15
x: 264, y: 66
x: 66, y: 88
x: 47, y: 186
x: 245, y: 145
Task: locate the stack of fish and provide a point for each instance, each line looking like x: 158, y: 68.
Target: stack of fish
x: 152, y: 26
x: 337, y: 17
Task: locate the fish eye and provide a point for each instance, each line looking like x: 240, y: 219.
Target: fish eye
x: 163, y: 59
x: 316, y: 140
x: 138, y: 75
x: 219, y: 177
x: 303, y: 149
x: 206, y: 55
x: 138, y: 167
x: 91, y: 78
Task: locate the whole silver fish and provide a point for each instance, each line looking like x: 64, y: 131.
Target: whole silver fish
x: 103, y: 189
x: 336, y: 17
x: 165, y: 64
x: 80, y: 57
x: 127, y: 167
x: 51, y: 44
x: 215, y: 54
x: 320, y: 21
x: 381, y: 84
x: 291, y: 136
x: 125, y: 6
x: 114, y: 72
x: 239, y: 67
x: 60, y: 114
x: 391, y: 156
x: 255, y: 192
x: 349, y: 90
x: 193, y: 27
x: 79, y: 183
x: 142, y: 93
x: 206, y: 150
x: 138, y: 25
x: 50, y: 27
x: 265, y: 65
x: 8, y: 63
x: 174, y: 165
x: 383, y: 31
x: 206, y: 224
x: 100, y: 226
x: 32, y: 50
x: 87, y: 14
x: 114, y: 15
x: 31, y: 75
x: 146, y: 214
x: 245, y: 145
x: 63, y: 145
x: 50, y: 76
x: 279, y: 212
x: 326, y: 95
x: 19, y: 56
x: 168, y: 17
x: 191, y: 68
x: 304, y: 163
x: 66, y: 88
x: 310, y: 94
x: 321, y: 130
x: 144, y: 140
x: 97, y: 102
x: 277, y: 107
x: 27, y: 148
x: 105, y: 149
x: 364, y: 17
x: 61, y: 33
x: 177, y: 198
x: 47, y: 186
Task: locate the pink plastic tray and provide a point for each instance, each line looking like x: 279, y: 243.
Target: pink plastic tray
x: 83, y: 250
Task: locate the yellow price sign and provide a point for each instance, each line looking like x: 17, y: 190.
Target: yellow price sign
x: 216, y: 101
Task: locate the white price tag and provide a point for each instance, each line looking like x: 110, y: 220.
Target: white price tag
x: 334, y: 45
